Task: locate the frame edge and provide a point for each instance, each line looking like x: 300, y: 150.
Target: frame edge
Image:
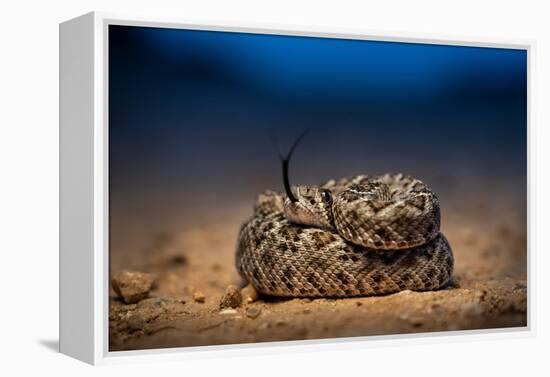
x: 76, y: 195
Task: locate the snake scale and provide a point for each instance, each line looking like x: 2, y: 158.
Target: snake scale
x: 358, y: 236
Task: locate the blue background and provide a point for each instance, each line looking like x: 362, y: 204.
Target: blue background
x: 201, y: 115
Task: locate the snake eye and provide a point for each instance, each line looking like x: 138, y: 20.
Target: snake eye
x: 312, y: 201
x: 327, y: 196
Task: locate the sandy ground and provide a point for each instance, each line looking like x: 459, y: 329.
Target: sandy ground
x: 489, y: 288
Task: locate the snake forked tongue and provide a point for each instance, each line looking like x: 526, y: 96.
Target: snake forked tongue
x: 285, y: 161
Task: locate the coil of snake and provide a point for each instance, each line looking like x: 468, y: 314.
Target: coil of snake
x: 358, y: 236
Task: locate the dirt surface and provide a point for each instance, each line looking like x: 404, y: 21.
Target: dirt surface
x: 193, y: 264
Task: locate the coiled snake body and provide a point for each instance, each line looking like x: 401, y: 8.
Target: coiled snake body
x: 358, y: 236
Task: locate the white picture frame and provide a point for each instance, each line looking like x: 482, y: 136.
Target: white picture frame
x: 84, y: 286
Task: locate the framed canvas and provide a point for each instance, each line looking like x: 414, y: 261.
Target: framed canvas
x: 230, y: 189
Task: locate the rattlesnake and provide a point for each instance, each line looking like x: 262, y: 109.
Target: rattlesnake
x: 358, y: 236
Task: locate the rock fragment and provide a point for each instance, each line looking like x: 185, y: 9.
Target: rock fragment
x: 249, y: 294
x: 132, y: 286
x: 232, y: 298
x: 198, y: 296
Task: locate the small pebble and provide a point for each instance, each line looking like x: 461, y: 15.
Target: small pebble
x: 249, y: 294
x: 132, y: 286
x: 253, y: 312
x: 358, y: 303
x: 232, y: 298
x: 198, y: 296
x: 307, y: 311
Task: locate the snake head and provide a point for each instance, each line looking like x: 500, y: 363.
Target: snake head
x: 306, y: 205
x: 310, y: 206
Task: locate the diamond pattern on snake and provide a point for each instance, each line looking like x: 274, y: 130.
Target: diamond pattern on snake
x: 357, y: 236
